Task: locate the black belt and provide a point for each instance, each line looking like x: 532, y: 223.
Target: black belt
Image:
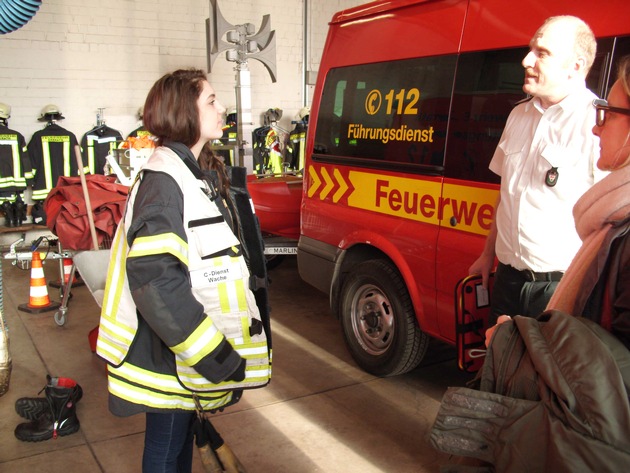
x: 532, y: 276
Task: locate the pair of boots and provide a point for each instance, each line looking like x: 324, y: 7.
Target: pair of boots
x: 51, y: 416
x: 14, y: 212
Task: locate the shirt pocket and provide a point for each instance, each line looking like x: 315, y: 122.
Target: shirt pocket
x: 212, y: 236
x: 560, y: 157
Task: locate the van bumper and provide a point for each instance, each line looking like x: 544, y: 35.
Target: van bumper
x: 316, y: 263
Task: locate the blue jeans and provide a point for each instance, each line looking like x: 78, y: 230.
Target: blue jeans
x: 168, y: 443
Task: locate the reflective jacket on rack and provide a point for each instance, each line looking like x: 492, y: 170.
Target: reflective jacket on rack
x: 197, y: 318
x: 16, y: 171
x: 96, y: 145
x: 52, y: 152
x: 297, y: 140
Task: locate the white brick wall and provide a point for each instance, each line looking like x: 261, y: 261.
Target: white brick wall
x: 85, y: 54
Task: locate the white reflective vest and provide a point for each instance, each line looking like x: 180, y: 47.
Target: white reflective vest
x: 220, y: 283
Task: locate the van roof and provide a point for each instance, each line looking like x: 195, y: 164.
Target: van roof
x: 373, y: 8
x: 467, y: 25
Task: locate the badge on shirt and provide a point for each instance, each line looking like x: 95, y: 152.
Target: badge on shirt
x: 552, y: 177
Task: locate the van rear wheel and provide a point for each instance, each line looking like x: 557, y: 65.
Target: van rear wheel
x: 378, y: 320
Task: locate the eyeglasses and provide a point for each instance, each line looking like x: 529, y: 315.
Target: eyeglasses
x: 602, y: 108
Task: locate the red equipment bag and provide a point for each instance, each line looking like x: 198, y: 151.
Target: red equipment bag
x: 66, y: 210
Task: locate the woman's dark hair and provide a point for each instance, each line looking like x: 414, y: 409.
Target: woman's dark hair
x: 170, y: 110
x: 208, y: 161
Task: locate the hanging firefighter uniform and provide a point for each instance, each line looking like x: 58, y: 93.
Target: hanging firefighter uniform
x: 52, y: 152
x: 297, y: 141
x: 220, y: 280
x: 229, y: 138
x: 96, y: 144
x: 268, y: 148
x: 16, y: 172
x: 260, y: 152
x: 141, y: 131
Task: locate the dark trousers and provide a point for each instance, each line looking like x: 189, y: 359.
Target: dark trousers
x: 517, y: 292
x: 168, y: 443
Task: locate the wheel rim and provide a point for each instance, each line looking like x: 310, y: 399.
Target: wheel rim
x: 372, y: 319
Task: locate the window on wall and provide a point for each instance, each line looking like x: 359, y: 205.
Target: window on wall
x: 392, y: 112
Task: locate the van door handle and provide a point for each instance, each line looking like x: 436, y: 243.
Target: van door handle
x: 453, y: 221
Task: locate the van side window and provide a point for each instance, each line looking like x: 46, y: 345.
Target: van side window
x: 392, y: 113
x: 487, y: 86
x: 613, y: 49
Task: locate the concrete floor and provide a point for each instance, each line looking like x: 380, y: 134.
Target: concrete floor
x: 319, y: 414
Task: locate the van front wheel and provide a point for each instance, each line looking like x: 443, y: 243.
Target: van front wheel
x: 378, y: 320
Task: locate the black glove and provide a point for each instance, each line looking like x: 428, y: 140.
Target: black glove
x: 239, y: 373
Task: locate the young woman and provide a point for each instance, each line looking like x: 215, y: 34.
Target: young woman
x: 178, y: 306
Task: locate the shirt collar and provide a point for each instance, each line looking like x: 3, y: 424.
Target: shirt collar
x: 568, y: 102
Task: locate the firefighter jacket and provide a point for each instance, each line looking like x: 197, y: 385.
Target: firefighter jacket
x: 297, y: 140
x: 52, y: 152
x: 15, y: 164
x: 178, y: 316
x: 96, y: 145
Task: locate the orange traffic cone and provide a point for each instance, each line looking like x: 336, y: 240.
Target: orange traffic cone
x: 67, y: 269
x: 38, y: 299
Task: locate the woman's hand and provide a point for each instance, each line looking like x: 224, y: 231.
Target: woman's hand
x: 490, y: 331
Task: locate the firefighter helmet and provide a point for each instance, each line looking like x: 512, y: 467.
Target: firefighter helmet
x: 303, y: 114
x: 5, y: 111
x: 49, y: 112
x: 230, y: 116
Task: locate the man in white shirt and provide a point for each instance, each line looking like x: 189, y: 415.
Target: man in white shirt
x: 546, y: 159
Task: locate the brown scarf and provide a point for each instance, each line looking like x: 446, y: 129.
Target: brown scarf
x: 607, y: 202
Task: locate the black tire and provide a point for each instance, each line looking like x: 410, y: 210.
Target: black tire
x: 273, y: 261
x: 378, y: 320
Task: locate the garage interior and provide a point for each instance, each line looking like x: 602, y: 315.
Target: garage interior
x: 320, y: 413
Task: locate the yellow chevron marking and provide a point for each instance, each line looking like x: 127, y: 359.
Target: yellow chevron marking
x: 316, y: 181
x: 343, y: 186
x: 329, y: 184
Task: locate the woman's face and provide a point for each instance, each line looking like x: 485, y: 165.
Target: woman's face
x: 210, y: 114
x: 614, y: 134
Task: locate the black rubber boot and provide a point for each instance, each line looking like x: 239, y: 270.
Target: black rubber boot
x: 59, y: 419
x: 9, y: 213
x: 19, y: 210
x: 32, y: 407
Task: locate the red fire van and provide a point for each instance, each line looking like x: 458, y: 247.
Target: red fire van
x: 410, y: 101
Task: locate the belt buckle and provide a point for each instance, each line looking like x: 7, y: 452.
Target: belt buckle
x: 530, y: 274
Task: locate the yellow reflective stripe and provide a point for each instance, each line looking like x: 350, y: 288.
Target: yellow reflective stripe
x: 90, y: 149
x: 47, y: 171
x: 232, y: 296
x: 141, y: 386
x: 115, y: 275
x: 255, y: 375
x: 15, y: 154
x: 40, y: 194
x: 115, y: 332
x: 145, y: 377
x: 251, y: 350
x: 245, y: 331
x: 66, y: 160
x: 224, y: 298
x: 204, y: 339
x: 160, y: 244
x: 114, y: 337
